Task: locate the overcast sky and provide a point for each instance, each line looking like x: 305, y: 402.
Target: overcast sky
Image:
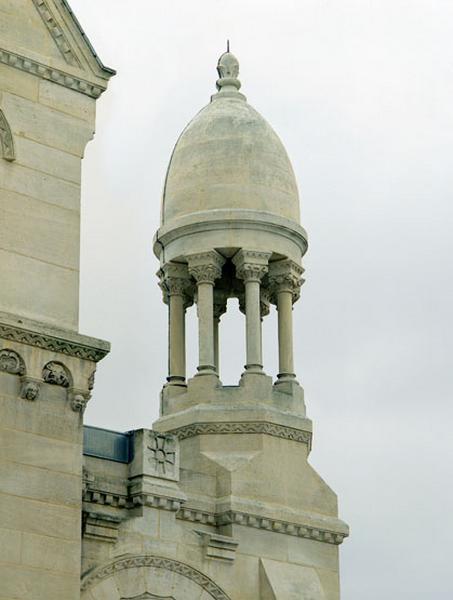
x: 361, y: 93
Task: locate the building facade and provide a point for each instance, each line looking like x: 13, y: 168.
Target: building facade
x: 218, y: 499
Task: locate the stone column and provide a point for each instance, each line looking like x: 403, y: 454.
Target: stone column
x: 205, y: 268
x: 285, y: 279
x: 175, y: 284
x: 220, y: 306
x: 251, y: 266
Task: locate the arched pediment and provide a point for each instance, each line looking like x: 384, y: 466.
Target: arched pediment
x: 6, y: 139
x: 148, y: 577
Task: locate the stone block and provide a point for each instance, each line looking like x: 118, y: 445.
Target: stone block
x: 24, y: 292
x: 18, y: 83
x: 46, y: 125
x: 44, y: 552
x: 40, y: 484
x: 67, y: 101
x: 48, y: 160
x: 40, y: 517
x: 283, y: 581
x: 40, y: 230
x: 42, y: 452
x: 10, y: 544
x: 39, y: 185
x: 155, y: 455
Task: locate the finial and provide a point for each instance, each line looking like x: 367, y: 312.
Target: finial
x: 228, y: 70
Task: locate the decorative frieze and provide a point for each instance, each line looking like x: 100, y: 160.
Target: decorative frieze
x: 6, y: 139
x: 52, y: 343
x: 50, y: 73
x: 281, y: 431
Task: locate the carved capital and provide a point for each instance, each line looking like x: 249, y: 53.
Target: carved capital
x: 206, y: 267
x: 285, y: 276
x: 175, y: 281
x: 251, y: 265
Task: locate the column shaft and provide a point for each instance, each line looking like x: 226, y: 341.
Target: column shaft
x: 253, y: 325
x: 285, y: 333
x: 177, y: 347
x: 206, y: 327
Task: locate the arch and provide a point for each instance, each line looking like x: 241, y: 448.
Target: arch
x: 56, y: 373
x: 6, y: 139
x: 11, y: 362
x: 151, y: 565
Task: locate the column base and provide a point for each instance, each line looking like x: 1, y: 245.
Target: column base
x: 204, y: 370
x: 254, y: 368
x: 176, y: 380
x: 286, y: 377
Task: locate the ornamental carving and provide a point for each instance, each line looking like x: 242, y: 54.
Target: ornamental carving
x: 281, y: 431
x: 162, y: 457
x: 29, y: 389
x: 206, y: 267
x: 78, y: 402
x: 6, y: 139
x: 48, y: 342
x: 251, y: 265
x: 285, y: 276
x: 11, y: 362
x: 56, y: 373
x: 154, y: 562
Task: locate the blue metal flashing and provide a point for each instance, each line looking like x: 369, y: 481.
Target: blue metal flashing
x: 108, y: 444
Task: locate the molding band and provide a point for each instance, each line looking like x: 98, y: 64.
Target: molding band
x: 259, y: 522
x: 156, y: 562
x: 50, y: 73
x: 280, y: 431
x: 54, y: 344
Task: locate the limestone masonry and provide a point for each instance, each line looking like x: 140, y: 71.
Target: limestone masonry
x: 218, y: 500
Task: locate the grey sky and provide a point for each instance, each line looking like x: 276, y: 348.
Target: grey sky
x: 361, y: 93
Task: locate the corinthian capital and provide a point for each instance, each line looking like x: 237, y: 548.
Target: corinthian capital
x: 174, y: 280
x: 251, y: 265
x: 205, y: 267
x: 285, y: 276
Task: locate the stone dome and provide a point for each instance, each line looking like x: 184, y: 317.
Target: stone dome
x: 229, y: 158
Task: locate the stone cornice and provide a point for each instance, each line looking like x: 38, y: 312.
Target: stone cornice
x: 56, y: 32
x: 281, y: 431
x: 79, y: 346
x: 156, y: 562
x: 34, y: 67
x: 233, y: 517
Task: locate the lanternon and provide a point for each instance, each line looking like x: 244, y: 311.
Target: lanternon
x: 217, y: 500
